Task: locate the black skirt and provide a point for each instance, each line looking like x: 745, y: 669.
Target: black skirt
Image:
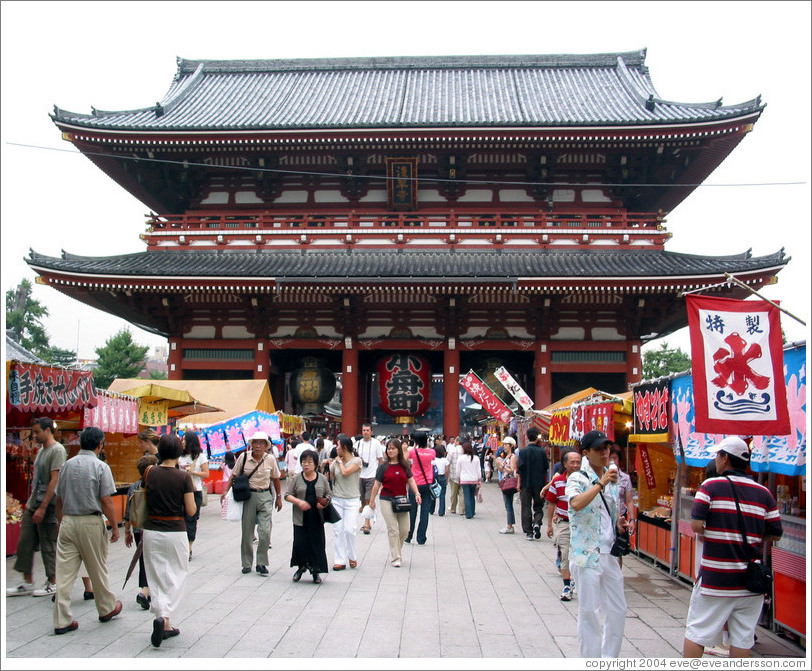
x: 308, y: 540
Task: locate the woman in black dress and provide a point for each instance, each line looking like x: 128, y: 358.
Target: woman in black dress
x: 309, y: 492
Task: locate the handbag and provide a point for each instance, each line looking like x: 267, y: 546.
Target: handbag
x: 757, y: 577
x: 622, y: 545
x: 509, y: 485
x: 330, y: 514
x: 138, y: 504
x: 401, y: 504
x: 205, y: 499
x: 240, y: 484
x: 434, y: 487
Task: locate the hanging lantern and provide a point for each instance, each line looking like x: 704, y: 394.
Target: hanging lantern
x: 312, y: 386
x: 404, y: 383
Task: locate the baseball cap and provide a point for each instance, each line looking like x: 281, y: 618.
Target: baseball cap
x: 509, y: 441
x: 732, y: 445
x: 261, y: 435
x: 594, y: 439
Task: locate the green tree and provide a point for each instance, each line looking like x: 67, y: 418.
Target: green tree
x: 60, y: 357
x: 24, y: 319
x: 157, y: 375
x: 120, y: 357
x: 664, y: 361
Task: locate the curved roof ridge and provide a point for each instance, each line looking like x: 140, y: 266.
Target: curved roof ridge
x: 634, y: 58
x: 176, y: 95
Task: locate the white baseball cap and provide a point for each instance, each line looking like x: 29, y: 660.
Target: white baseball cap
x: 261, y: 435
x: 732, y: 445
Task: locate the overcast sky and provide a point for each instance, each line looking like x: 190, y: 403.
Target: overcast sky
x: 121, y: 55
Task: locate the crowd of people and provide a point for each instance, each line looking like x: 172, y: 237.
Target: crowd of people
x: 347, y: 481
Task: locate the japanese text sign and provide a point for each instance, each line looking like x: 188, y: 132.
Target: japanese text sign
x: 651, y: 408
x: 47, y: 389
x: 483, y: 395
x: 737, y: 364
x: 514, y: 388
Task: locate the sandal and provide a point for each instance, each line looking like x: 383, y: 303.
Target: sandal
x: 353, y: 563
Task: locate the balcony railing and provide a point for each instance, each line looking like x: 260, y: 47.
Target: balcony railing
x: 314, y: 219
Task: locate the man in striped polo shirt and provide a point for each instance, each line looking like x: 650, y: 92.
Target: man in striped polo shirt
x: 719, y: 594
x: 558, y: 517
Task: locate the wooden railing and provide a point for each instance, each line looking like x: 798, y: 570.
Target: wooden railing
x: 257, y: 222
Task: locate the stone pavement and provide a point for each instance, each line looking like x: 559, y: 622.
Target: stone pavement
x: 468, y: 593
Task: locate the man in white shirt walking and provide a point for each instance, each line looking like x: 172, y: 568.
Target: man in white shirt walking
x: 371, y: 452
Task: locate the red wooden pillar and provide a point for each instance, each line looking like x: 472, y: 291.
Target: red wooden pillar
x: 349, y: 391
x: 634, y: 361
x: 541, y: 371
x: 175, y: 359
x: 451, y: 387
x: 262, y: 360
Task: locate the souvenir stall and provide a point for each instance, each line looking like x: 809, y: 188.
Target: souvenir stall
x: 778, y: 462
x: 34, y: 390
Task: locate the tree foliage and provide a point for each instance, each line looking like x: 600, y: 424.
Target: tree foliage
x: 24, y: 316
x: 664, y: 361
x: 119, y: 357
x: 60, y: 357
x: 157, y: 375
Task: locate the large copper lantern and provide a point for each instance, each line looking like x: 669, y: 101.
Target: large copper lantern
x: 404, y: 383
x: 312, y: 386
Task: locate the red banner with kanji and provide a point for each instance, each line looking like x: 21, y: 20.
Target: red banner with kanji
x: 483, y: 395
x: 48, y: 389
x: 737, y: 360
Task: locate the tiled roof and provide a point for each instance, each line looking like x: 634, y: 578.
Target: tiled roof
x: 16, y: 352
x: 392, y: 266
x: 429, y: 92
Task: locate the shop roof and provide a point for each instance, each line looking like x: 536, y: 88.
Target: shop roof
x: 536, y: 91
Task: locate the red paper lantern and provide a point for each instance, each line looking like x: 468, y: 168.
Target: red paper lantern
x: 404, y: 383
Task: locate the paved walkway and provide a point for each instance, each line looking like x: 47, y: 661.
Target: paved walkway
x: 468, y: 593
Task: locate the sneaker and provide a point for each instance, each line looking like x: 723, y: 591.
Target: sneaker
x: 506, y: 530
x: 21, y: 590
x: 528, y: 537
x: 536, y: 531
x: 48, y: 589
x: 566, y: 595
x: 396, y: 563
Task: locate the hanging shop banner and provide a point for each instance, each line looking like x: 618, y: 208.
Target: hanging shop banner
x: 784, y: 454
x: 114, y: 413
x: 600, y: 417
x: 235, y: 434
x: 651, y: 407
x: 648, y: 470
x: 291, y: 424
x: 47, y: 389
x: 484, y: 395
x: 577, y: 430
x: 560, y: 428
x: 737, y: 363
x: 514, y: 388
x: 153, y: 413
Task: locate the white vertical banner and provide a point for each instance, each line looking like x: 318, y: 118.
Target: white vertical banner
x: 513, y: 387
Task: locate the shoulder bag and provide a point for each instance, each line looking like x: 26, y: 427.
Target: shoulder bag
x: 622, y: 545
x: 509, y: 484
x: 240, y: 485
x: 401, y: 504
x: 757, y: 578
x: 434, y: 487
x: 138, y: 504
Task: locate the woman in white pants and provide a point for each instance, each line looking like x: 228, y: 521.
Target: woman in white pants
x: 345, y: 474
x: 170, y: 496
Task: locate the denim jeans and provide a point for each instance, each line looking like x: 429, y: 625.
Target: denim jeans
x: 440, y: 500
x: 511, y: 516
x: 469, y: 494
x: 423, y: 524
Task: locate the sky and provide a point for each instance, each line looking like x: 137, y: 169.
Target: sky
x: 122, y: 55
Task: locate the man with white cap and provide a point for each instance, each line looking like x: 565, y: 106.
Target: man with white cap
x: 720, y: 594
x: 261, y: 468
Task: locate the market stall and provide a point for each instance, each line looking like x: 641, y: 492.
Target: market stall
x: 671, y: 460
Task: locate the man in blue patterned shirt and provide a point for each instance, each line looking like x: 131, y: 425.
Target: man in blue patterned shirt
x: 593, y: 511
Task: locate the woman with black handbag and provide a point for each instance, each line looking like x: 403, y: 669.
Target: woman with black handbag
x: 508, y: 466
x: 391, y: 481
x: 345, y: 475
x: 309, y: 492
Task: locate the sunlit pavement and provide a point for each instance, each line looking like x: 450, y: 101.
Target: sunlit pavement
x: 468, y: 593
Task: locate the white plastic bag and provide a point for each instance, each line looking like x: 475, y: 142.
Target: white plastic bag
x: 231, y: 510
